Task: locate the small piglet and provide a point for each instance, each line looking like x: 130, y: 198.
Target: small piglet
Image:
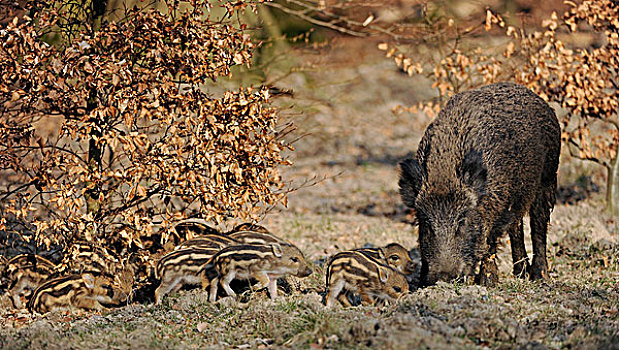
x: 88, y: 291
x: 355, y: 272
x: 262, y: 262
x: 394, y: 255
x: 255, y: 237
x: 207, y: 241
x: 24, y: 273
x: 181, y: 268
x: 249, y: 227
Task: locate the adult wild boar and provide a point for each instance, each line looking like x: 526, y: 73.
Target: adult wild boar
x: 489, y: 157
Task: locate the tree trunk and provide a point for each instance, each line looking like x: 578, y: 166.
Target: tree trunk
x: 612, y: 186
x: 95, y: 151
x: 94, y: 162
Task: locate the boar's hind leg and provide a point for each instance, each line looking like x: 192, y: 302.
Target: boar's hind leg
x: 519, y: 253
x: 540, y: 216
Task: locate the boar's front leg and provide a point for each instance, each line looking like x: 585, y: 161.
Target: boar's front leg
x: 519, y: 253
x: 488, y: 272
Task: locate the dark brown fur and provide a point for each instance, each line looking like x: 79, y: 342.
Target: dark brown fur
x: 489, y: 157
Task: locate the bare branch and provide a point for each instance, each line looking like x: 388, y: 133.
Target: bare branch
x: 575, y: 154
x: 330, y: 24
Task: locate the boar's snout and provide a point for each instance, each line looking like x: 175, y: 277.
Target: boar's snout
x: 444, y: 272
x: 446, y: 276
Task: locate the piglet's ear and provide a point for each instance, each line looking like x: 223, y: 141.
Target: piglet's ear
x: 277, y: 250
x: 89, y: 280
x: 411, y: 178
x: 381, y: 254
x: 383, y: 275
x: 474, y: 173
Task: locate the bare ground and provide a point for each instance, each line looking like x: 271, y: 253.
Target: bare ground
x: 354, y: 142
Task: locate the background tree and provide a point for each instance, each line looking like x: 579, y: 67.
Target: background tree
x: 106, y: 126
x: 584, y: 80
x: 459, y: 52
x: 580, y: 78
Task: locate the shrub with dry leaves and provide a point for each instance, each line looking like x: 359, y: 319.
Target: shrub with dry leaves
x: 106, y: 127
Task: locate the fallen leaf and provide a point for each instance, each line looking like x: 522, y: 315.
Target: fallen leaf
x: 202, y: 326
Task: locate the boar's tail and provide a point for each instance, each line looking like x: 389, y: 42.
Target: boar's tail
x: 411, y: 177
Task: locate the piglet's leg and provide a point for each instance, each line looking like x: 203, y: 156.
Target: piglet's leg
x: 24, y: 284
x: 86, y: 302
x: 165, y: 287
x: 366, y: 298
x: 16, y: 295
x: 333, y: 291
x: 262, y: 278
x: 213, y: 293
x: 265, y: 281
x: 488, y: 274
x: 272, y: 286
x: 225, y: 283
x: 343, y: 298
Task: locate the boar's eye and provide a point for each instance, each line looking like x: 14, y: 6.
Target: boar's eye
x: 397, y: 289
x: 294, y: 259
x: 462, y: 221
x: 394, y: 257
x: 462, y: 218
x: 421, y: 216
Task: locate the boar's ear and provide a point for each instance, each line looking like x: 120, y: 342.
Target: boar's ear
x: 277, y: 250
x: 383, y: 275
x: 474, y: 173
x: 411, y: 177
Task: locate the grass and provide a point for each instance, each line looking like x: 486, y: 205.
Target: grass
x: 577, y: 308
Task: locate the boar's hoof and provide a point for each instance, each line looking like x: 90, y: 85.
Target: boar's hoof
x: 488, y: 274
x: 538, y: 272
